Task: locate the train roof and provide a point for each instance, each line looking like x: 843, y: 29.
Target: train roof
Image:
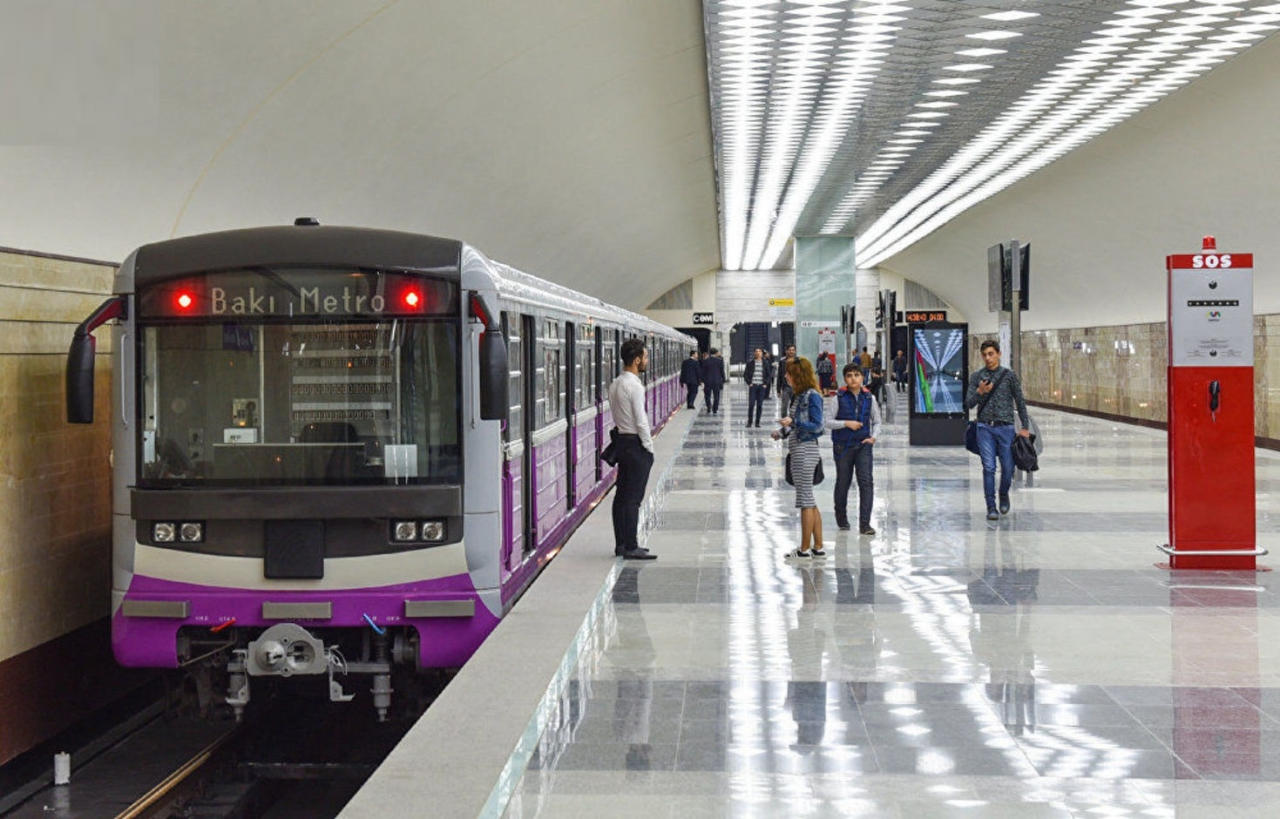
x: 297, y: 245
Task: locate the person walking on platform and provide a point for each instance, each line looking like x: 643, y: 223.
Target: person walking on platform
x: 826, y: 372
x: 900, y: 371
x: 758, y: 375
x: 690, y: 376
x: 712, y: 381
x: 865, y: 362
x: 803, y: 426
x: 997, y: 393
x: 853, y: 434
x: 634, y: 450
x: 783, y: 386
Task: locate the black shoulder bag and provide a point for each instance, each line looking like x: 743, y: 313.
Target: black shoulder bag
x: 971, y: 430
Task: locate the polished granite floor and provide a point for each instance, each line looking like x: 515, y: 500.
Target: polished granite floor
x: 1038, y: 666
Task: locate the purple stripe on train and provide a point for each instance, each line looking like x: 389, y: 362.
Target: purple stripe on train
x: 444, y: 641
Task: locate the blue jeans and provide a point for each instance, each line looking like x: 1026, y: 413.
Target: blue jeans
x: 855, y: 458
x: 996, y: 442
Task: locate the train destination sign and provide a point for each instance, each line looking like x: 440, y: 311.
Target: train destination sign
x: 270, y: 294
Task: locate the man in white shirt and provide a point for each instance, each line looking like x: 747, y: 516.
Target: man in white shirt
x: 634, y: 449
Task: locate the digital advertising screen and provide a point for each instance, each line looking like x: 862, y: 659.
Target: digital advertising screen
x: 938, y: 370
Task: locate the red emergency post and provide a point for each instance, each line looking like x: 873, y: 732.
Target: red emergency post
x: 1211, y: 432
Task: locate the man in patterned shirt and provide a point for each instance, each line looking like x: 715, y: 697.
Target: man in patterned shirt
x: 997, y: 392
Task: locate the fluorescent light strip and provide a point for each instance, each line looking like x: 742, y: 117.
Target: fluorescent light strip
x: 862, y: 59
x: 982, y: 182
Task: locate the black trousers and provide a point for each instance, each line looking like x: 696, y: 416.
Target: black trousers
x: 711, y: 398
x: 854, y: 458
x: 693, y: 394
x: 634, y: 463
x: 755, y: 403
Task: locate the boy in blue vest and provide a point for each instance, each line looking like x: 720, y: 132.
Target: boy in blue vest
x: 853, y: 433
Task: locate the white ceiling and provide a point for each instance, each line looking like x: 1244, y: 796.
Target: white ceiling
x: 569, y: 138
x: 885, y: 119
x: 1101, y: 219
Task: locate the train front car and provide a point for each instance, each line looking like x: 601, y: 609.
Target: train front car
x: 294, y: 412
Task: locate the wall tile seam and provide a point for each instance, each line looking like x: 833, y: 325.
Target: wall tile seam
x: 44, y: 288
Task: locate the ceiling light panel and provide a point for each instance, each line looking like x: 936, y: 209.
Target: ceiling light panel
x: 809, y: 98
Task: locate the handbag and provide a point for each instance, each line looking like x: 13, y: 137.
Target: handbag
x: 818, y: 475
x: 971, y: 429
x: 1024, y: 453
x: 610, y: 453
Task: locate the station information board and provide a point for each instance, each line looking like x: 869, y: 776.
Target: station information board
x: 1211, y: 310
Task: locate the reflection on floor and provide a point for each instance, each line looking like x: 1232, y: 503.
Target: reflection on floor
x: 1041, y: 665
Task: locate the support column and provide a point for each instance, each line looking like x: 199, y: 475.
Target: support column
x: 868, y: 286
x: 824, y: 282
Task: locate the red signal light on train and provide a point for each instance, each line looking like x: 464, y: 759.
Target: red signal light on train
x: 412, y: 299
x: 184, y: 300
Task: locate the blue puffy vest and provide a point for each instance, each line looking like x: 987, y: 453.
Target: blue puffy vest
x: 852, y: 408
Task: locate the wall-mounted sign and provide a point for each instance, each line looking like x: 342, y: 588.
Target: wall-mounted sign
x: 782, y: 302
x: 704, y: 318
x: 924, y: 316
x: 811, y: 323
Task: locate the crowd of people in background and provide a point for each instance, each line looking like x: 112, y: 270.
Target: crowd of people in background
x: 803, y: 390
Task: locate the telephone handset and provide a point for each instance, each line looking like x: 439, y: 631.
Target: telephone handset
x: 1215, y: 389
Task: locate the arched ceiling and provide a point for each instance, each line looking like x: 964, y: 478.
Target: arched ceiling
x: 1101, y: 219
x: 570, y: 139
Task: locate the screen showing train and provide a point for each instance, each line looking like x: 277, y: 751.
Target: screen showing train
x: 939, y: 370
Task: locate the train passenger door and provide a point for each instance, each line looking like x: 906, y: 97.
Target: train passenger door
x: 571, y: 412
x: 598, y: 392
x: 529, y: 334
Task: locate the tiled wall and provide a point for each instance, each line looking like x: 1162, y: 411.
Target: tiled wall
x: 55, y: 502
x: 1120, y: 370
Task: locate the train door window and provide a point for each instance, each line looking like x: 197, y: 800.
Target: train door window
x: 511, y: 331
x: 550, y: 375
x: 529, y: 396
x: 585, y: 353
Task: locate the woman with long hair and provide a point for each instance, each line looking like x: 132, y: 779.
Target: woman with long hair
x: 803, y: 426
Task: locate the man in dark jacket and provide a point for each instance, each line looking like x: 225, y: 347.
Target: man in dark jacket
x: 784, y: 389
x: 712, y: 381
x: 758, y: 375
x: 690, y: 375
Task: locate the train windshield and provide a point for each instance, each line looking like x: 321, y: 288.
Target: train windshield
x: 237, y: 399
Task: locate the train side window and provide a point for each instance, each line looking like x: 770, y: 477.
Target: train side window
x: 514, y: 429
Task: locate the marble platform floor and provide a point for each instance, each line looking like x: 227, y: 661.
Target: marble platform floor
x: 1041, y: 665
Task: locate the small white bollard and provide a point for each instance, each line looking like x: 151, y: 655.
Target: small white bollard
x: 62, y: 768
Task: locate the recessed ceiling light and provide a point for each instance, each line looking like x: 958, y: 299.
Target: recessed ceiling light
x: 968, y: 67
x: 945, y: 93
x: 958, y: 81
x: 994, y: 35
x: 928, y: 114
x: 936, y: 104
x: 981, y: 52
x: 1010, y: 15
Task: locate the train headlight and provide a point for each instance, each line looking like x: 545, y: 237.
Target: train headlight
x: 433, y: 530
x: 405, y: 530
x: 164, y: 532
x: 191, y: 532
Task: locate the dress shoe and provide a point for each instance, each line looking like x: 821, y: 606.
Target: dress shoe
x: 1004, y: 504
x: 866, y: 530
x: 842, y: 525
x: 638, y: 554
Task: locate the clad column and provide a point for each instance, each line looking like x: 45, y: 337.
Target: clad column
x: 824, y: 283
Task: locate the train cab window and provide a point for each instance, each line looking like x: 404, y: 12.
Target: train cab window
x: 515, y: 386
x: 550, y: 375
x: 315, y: 402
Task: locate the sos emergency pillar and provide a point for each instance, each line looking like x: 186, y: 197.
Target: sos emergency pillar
x: 1211, y: 432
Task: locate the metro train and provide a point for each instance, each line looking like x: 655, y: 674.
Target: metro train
x: 344, y: 451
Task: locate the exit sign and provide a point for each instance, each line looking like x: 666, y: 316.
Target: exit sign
x: 925, y: 316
